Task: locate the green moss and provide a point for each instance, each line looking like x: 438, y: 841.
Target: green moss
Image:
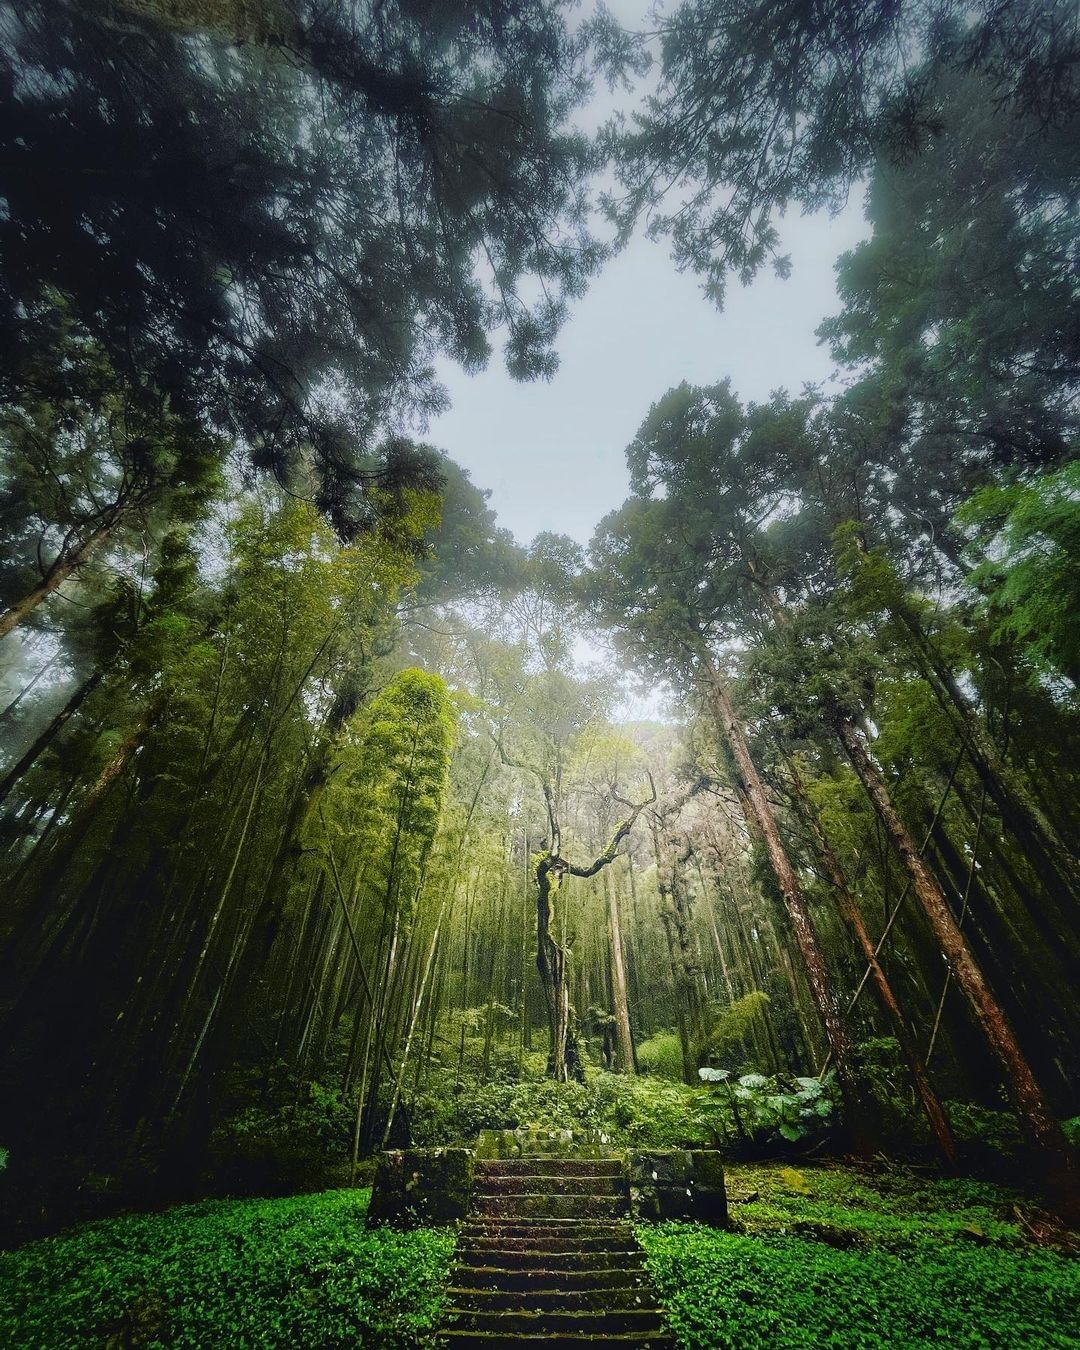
x: 831, y: 1256
x: 301, y: 1271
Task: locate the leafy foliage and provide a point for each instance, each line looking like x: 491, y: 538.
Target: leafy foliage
x: 1029, y: 538
x: 830, y: 1256
x: 760, y: 106
x: 753, y: 1114
x: 314, y: 199
x: 301, y: 1271
x: 661, y: 1056
x: 764, y: 1110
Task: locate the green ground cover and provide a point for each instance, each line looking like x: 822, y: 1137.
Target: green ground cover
x: 819, y: 1256
x: 829, y: 1256
x: 300, y: 1271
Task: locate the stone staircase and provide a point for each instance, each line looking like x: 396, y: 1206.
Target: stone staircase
x: 548, y: 1258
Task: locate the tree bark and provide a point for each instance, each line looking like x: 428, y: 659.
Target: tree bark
x: 685, y: 960
x: 564, y: 1057
x: 27, y: 761
x: 764, y: 821
x: 852, y: 915
x: 1056, y: 865
x: 1035, y: 1115
x: 624, y: 1040
x: 66, y: 562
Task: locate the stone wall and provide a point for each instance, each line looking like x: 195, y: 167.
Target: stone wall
x: 415, y: 1187
x: 422, y: 1186
x: 683, y: 1184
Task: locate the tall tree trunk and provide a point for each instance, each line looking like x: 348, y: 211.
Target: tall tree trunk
x: 67, y: 561
x: 852, y: 916
x: 763, y: 820
x: 29, y: 685
x: 685, y: 959
x: 1036, y: 1117
x: 564, y: 1058
x: 41, y: 743
x: 624, y: 1040
x: 1055, y: 863
x: 415, y: 1017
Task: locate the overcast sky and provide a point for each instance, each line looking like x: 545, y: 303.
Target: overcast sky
x: 552, y: 452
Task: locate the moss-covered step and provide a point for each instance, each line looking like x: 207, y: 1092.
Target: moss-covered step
x: 598, y: 1323
x: 548, y: 1183
x: 547, y: 1277
x: 616, y: 1257
x: 460, y: 1339
x: 543, y: 1228
x: 614, y: 1299
x: 614, y: 1166
x: 548, y: 1258
x: 524, y: 1143
x: 539, y: 1206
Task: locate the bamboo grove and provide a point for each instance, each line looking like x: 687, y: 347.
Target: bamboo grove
x: 324, y: 825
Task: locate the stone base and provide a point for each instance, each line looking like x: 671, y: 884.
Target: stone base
x: 685, y: 1184
x: 421, y: 1187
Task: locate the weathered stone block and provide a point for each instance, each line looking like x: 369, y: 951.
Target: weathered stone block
x: 685, y: 1184
x: 415, y: 1187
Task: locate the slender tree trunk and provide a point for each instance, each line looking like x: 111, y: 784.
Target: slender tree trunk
x: 685, y: 959
x: 564, y: 1059
x: 763, y: 818
x: 1053, y: 860
x: 1036, y: 1117
x: 624, y: 1040
x: 852, y: 916
x: 417, y: 1005
x: 30, y: 684
x: 41, y: 743
x: 66, y: 562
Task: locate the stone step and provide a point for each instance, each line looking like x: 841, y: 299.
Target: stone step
x: 543, y: 1257
x: 493, y: 1340
x: 532, y: 1206
x: 556, y: 1323
x: 548, y: 1228
x: 538, y: 1166
x: 550, y: 1237
x: 549, y: 1183
x: 540, y: 1149
x: 629, y: 1298
x: 546, y: 1277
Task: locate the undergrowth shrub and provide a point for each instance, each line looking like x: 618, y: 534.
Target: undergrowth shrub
x: 298, y: 1141
x: 282, y: 1272
x: 661, y: 1056
x: 749, y: 1115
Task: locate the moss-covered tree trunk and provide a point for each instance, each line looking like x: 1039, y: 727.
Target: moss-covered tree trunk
x: 564, y: 1057
x: 624, y: 1040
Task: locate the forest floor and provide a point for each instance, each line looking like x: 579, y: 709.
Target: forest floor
x: 831, y: 1255
x: 822, y: 1255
